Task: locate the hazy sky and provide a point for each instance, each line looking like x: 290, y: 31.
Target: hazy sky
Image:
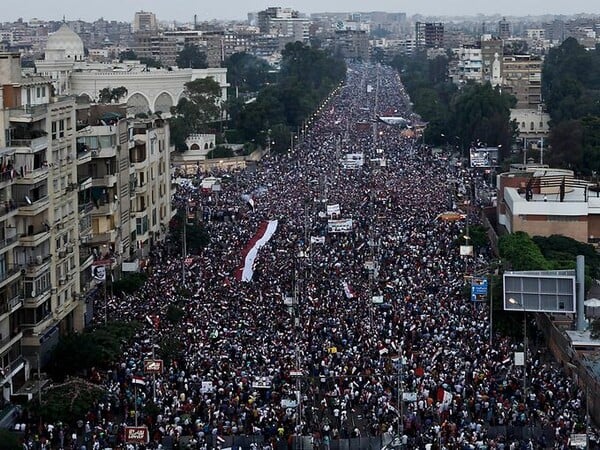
x: 184, y: 10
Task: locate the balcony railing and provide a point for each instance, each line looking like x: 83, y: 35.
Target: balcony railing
x: 9, y: 273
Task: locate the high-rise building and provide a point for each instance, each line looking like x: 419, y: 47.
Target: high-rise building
x: 522, y: 77
x: 40, y: 260
x: 429, y: 34
x: 504, y: 29
x: 144, y: 21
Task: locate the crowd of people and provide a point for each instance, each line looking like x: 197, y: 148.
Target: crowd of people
x: 341, y: 333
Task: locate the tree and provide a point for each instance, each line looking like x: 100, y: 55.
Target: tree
x: 195, y: 111
x: 98, y: 347
x: 566, y: 144
x: 9, y: 440
x: 246, y: 72
x: 128, y: 55
x: 108, y: 95
x: 70, y: 401
x: 190, y: 57
x: 521, y: 253
x: 481, y: 113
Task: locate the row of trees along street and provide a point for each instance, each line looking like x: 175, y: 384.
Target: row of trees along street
x: 270, y: 106
x: 456, y: 117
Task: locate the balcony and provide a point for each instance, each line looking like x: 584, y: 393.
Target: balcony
x: 28, y: 113
x: 84, y: 157
x: 9, y: 242
x: 9, y: 341
x: 86, y: 258
x: 11, y: 305
x: 104, y: 152
x: 37, y: 266
x: 36, y: 238
x: 8, y: 177
x: 35, y: 144
x: 34, y: 207
x: 33, y: 176
x: 39, y: 299
x: 9, y: 276
x: 7, y: 210
x: 105, y: 209
x: 141, y: 188
x: 105, y: 181
x: 84, y: 183
x: 101, y: 238
x: 139, y: 163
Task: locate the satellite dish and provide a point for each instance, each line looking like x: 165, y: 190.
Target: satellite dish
x: 33, y: 294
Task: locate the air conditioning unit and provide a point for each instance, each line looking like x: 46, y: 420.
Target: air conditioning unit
x: 69, y: 276
x: 69, y: 248
x: 62, y: 254
x: 61, y: 281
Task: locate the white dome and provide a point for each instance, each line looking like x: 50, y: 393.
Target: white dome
x: 64, y: 45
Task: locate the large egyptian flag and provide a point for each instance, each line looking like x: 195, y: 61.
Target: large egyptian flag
x: 250, y: 252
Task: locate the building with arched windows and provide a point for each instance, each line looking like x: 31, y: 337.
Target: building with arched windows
x: 148, y: 90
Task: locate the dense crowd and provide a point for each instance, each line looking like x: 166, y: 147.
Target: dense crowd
x: 328, y: 335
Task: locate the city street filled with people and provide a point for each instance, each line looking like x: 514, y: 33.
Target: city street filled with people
x: 329, y: 302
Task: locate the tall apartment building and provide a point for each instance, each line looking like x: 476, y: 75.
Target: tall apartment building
x: 144, y: 21
x: 504, y: 29
x: 522, y: 77
x: 351, y: 44
x: 40, y: 282
x: 429, y: 35
x: 150, y: 181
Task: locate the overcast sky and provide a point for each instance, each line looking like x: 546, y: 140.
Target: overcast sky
x: 184, y: 10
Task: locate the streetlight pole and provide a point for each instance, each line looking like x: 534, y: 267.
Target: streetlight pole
x: 517, y: 303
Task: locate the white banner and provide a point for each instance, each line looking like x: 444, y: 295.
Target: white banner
x: 352, y: 161
x: 333, y: 209
x: 339, y: 226
x: 317, y: 239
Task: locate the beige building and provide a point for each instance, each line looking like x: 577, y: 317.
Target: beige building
x: 40, y: 285
x: 522, y: 77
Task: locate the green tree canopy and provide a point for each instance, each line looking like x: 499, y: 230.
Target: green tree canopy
x: 247, y: 72
x: 481, y: 113
x: 191, y: 57
x: 97, y: 347
x: 127, y: 55
x: 521, y: 252
x: 195, y: 111
x: 108, y: 95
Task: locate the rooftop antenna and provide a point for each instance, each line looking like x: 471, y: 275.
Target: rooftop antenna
x: 195, y: 21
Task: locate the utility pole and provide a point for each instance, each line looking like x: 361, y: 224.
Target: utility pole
x: 184, y: 242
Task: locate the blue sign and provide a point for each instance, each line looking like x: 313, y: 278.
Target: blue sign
x: 479, y: 289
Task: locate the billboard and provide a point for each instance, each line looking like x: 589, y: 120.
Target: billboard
x: 484, y: 157
x: 540, y: 291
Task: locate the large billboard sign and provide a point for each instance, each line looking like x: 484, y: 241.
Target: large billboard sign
x: 484, y: 157
x: 550, y: 291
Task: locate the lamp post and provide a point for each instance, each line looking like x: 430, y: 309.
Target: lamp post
x: 517, y: 303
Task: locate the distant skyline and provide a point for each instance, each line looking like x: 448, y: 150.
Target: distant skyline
x: 184, y: 10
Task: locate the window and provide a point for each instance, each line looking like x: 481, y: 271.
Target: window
x: 531, y: 126
x: 61, y: 128
x: 53, y: 130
